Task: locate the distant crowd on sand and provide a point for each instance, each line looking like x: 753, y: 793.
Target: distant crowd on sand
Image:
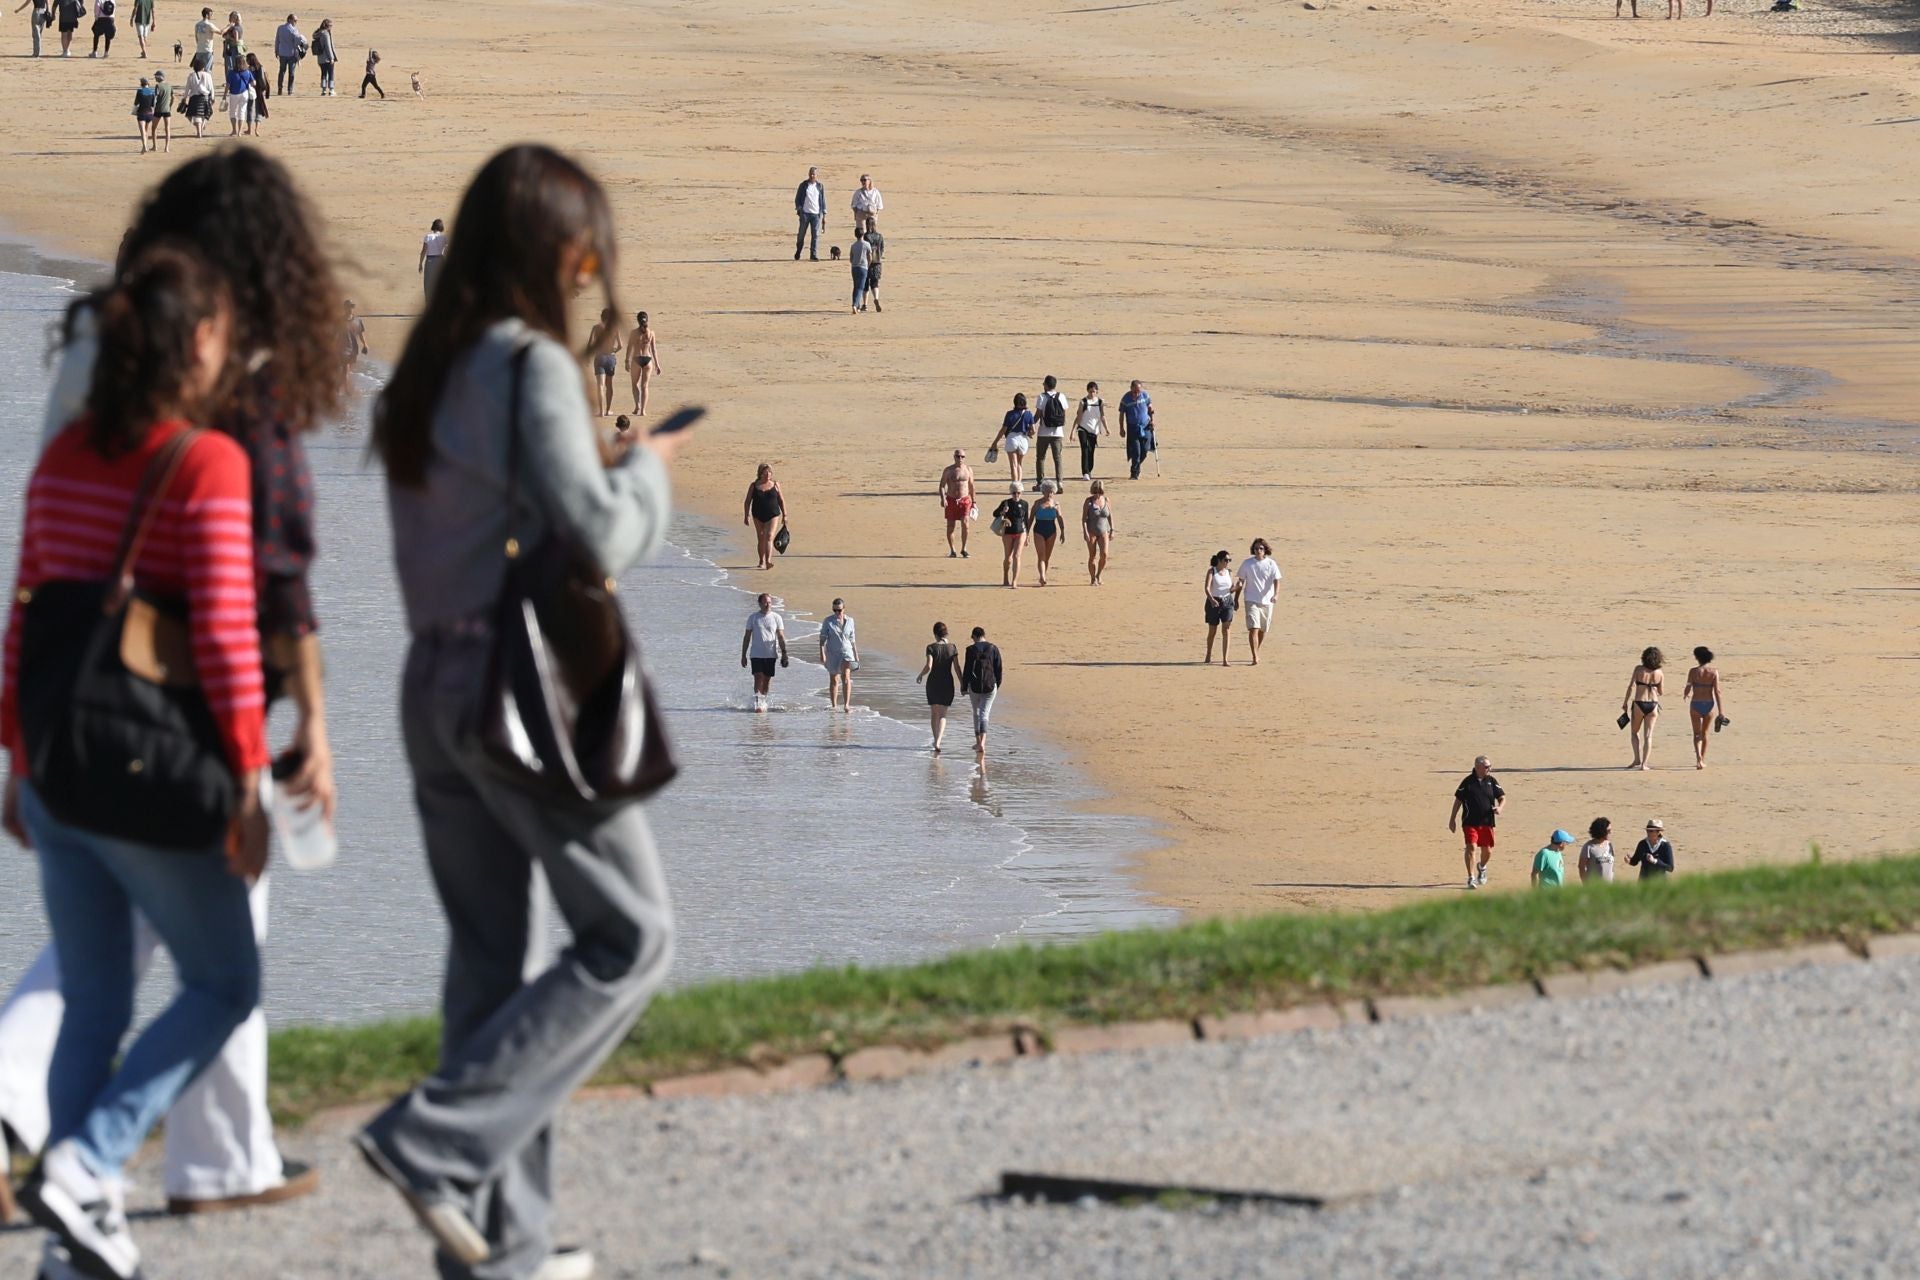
x: 241, y: 81
x: 1480, y: 799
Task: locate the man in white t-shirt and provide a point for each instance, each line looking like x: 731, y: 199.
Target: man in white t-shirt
x: 1050, y: 414
x: 1259, y: 583
x: 866, y: 203
x: 764, y: 642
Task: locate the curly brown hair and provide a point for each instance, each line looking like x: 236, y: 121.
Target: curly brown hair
x: 241, y: 211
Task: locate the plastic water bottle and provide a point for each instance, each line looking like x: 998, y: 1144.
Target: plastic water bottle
x: 306, y: 837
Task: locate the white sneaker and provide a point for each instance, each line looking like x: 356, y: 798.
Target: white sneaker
x: 85, y: 1212
x: 567, y: 1262
x: 1472, y: 883
x: 1483, y: 877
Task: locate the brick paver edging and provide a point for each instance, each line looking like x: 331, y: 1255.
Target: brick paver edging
x: 894, y: 1062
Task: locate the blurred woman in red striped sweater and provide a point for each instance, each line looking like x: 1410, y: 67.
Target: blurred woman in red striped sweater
x: 163, y: 331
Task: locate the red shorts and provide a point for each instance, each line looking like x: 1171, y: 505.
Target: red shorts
x: 1480, y: 837
x: 957, y: 508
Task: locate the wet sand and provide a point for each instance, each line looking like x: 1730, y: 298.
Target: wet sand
x: 1527, y: 337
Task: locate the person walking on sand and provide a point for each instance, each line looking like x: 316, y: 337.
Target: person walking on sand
x: 1011, y: 519
x: 1653, y: 855
x: 239, y: 100
x: 199, y: 97
x: 1096, y: 526
x: 1015, y: 436
x: 1259, y: 584
x: 1550, y: 864
x: 604, y: 344
x: 39, y: 20
x: 981, y: 676
x: 764, y: 642
x: 1222, y: 592
x: 765, y: 509
x: 1049, y: 525
x: 70, y: 13
x: 469, y: 1149
x: 810, y: 206
x: 105, y: 23
x: 866, y: 203
x: 289, y: 46
x: 860, y: 256
x: 940, y: 674
x: 643, y: 361
x: 433, y: 252
x: 957, y: 500
x: 1136, y: 420
x: 162, y: 131
x: 840, y: 655
x: 1640, y: 705
x: 143, y: 114
x: 1050, y: 416
x: 1705, y: 699
x: 877, y: 244
x: 1089, y: 424
x: 205, y: 32
x: 257, y: 111
x: 1596, y: 855
x: 142, y: 23
x: 372, y: 80
x: 1479, y: 799
x: 326, y: 54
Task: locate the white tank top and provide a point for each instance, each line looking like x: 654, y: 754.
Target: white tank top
x: 1220, y: 584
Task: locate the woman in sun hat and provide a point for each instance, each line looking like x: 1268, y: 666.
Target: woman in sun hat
x: 1654, y: 855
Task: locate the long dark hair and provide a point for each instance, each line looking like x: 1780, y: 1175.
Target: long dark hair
x: 514, y: 225
x: 240, y: 210
x: 146, y: 322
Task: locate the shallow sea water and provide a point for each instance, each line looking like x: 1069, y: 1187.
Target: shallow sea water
x: 792, y: 839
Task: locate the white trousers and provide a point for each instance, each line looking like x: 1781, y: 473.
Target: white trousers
x: 219, y: 1134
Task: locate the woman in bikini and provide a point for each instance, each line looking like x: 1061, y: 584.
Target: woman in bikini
x: 643, y: 362
x: 1096, y: 521
x: 1048, y: 525
x: 604, y: 343
x: 1705, y: 699
x: 764, y: 509
x: 1641, y: 705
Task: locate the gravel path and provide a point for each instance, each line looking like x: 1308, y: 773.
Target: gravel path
x: 1759, y: 1126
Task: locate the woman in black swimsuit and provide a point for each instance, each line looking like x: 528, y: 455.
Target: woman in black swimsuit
x: 1641, y: 705
x: 941, y: 671
x: 1012, y: 518
x: 764, y: 509
x: 1048, y: 525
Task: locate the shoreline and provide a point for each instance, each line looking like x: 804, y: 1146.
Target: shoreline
x: 1267, y: 250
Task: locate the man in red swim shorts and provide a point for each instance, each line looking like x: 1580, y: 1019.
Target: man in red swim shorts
x: 956, y: 499
x: 1478, y: 799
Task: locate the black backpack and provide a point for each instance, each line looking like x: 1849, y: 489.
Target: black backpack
x: 979, y: 672
x: 1054, y: 411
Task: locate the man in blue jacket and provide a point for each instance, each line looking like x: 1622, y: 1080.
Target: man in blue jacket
x: 810, y: 205
x: 289, y: 46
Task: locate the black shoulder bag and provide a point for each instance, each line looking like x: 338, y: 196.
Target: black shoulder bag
x: 120, y: 740
x: 566, y: 713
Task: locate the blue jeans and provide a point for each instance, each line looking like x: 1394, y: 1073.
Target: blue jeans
x: 809, y: 222
x: 859, y: 285
x: 91, y: 885
x: 1139, y: 445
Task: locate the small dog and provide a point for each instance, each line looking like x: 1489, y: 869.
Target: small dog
x: 835, y: 253
x: 179, y: 52
x: 418, y: 92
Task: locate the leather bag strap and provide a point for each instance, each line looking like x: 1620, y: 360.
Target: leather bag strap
x: 154, y: 484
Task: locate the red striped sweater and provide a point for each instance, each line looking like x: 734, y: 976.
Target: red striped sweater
x: 200, y: 547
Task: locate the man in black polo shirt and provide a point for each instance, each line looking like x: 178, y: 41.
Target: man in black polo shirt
x: 1478, y: 799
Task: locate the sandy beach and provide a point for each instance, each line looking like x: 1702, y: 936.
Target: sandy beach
x: 1528, y: 337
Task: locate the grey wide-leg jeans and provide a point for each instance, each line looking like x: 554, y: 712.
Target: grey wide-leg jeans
x: 476, y: 1132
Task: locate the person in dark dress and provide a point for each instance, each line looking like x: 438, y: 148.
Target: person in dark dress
x: 939, y: 674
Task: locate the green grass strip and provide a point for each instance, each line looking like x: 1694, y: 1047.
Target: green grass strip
x: 1264, y: 962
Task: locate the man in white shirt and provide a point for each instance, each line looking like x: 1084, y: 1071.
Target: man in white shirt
x: 810, y: 206
x: 866, y: 203
x: 1050, y: 417
x: 764, y: 642
x: 1259, y: 583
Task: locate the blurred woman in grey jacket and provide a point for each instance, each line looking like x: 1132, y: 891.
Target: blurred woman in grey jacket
x: 468, y: 1148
